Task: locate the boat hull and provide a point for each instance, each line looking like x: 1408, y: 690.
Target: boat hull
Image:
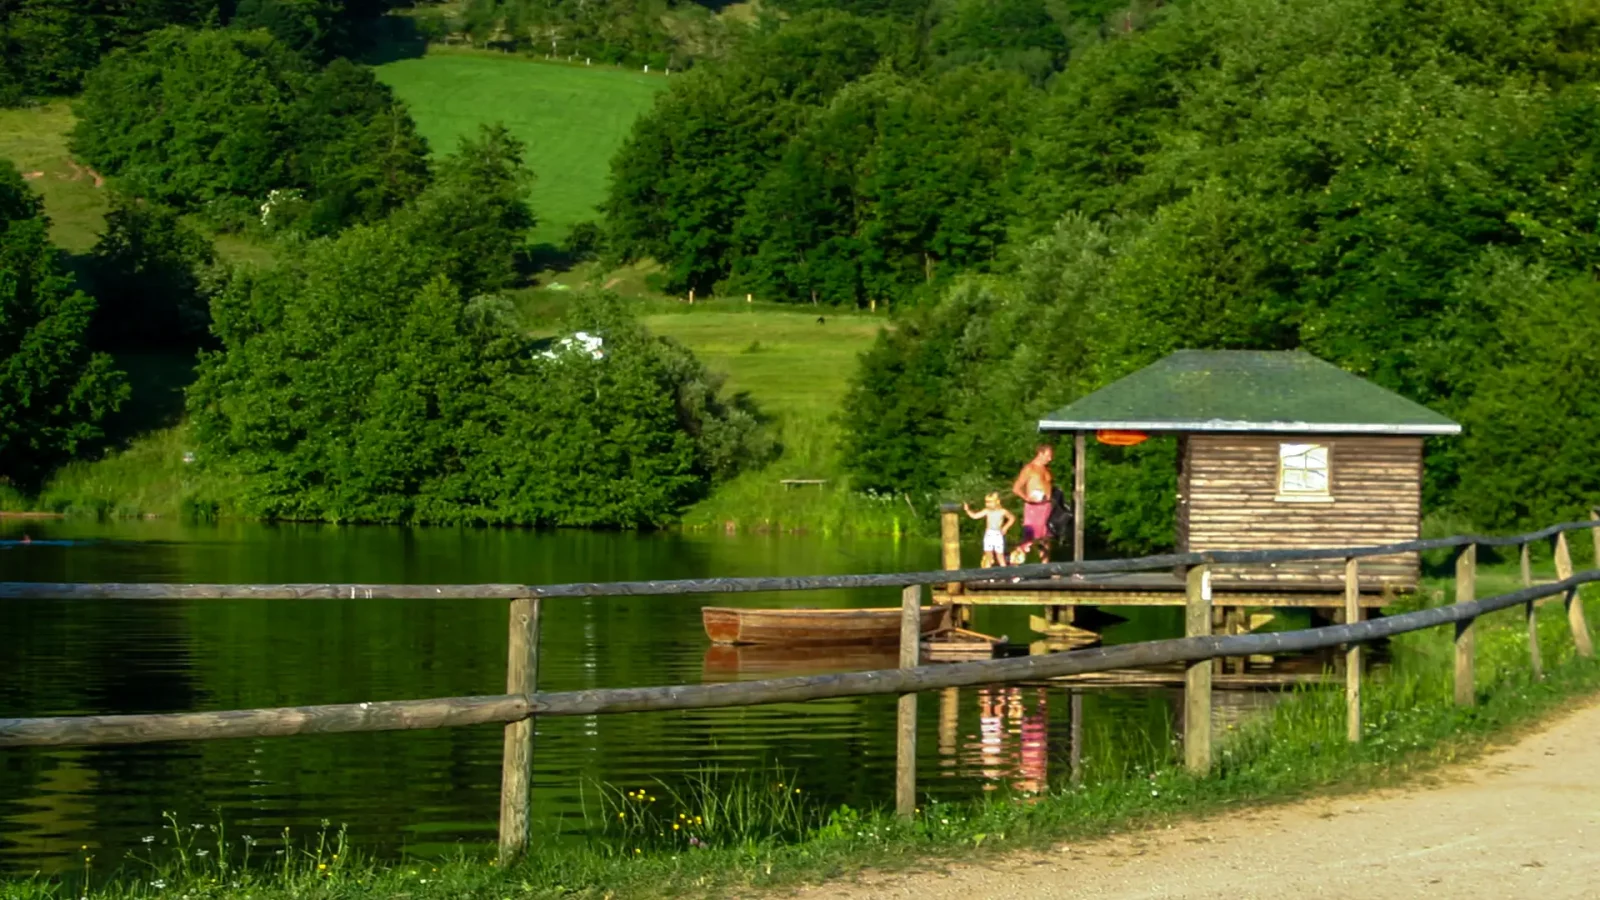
x: 812, y: 627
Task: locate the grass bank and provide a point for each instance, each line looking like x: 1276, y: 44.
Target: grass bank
x: 766, y: 838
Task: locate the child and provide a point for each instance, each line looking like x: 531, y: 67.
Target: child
x: 994, y: 537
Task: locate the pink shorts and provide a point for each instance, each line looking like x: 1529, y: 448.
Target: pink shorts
x: 1035, y: 521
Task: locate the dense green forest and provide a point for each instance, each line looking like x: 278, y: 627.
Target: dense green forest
x: 1406, y: 189
x: 1048, y: 195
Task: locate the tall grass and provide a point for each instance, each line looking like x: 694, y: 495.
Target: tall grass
x: 153, y: 476
x: 710, y: 809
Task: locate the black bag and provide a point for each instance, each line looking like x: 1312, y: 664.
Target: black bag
x: 1060, y: 521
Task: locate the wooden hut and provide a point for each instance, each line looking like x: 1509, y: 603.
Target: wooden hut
x: 1275, y: 450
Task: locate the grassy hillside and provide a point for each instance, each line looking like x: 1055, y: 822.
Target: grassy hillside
x: 797, y: 370
x: 572, y: 118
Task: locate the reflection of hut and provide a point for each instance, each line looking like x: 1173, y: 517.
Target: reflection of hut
x: 1276, y: 450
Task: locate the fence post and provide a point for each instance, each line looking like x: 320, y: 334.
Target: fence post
x: 1352, y: 653
x: 516, y: 762
x: 1197, y: 681
x: 1580, y: 627
x: 1530, y: 611
x: 1466, y: 590
x: 905, y: 769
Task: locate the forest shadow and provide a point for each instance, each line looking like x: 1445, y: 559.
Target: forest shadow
x: 156, y: 401
x: 392, y: 38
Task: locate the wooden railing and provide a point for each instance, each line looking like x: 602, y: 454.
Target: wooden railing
x: 523, y: 702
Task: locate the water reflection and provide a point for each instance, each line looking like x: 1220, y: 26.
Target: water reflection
x: 428, y: 792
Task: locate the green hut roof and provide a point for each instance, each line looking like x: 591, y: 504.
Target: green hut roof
x: 1247, y: 391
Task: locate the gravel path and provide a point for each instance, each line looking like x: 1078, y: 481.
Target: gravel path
x: 1519, y: 822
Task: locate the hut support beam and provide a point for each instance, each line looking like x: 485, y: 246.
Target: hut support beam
x: 1080, y: 450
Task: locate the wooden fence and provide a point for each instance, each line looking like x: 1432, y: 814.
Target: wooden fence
x: 523, y: 702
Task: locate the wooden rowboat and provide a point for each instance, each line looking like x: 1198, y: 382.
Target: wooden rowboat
x: 800, y: 627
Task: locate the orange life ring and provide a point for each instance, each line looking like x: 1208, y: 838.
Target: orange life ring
x: 1121, y: 438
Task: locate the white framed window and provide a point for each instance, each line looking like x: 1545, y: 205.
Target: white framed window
x: 1304, y: 473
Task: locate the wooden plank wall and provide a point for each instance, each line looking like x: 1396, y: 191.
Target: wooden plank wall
x: 1377, y: 499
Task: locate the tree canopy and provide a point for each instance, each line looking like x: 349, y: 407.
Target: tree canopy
x: 237, y: 126
x: 55, y: 393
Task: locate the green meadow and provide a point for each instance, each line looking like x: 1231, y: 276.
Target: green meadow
x: 572, y: 117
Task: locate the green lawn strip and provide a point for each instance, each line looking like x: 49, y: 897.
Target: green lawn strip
x: 1295, y: 750
x: 572, y: 117
x: 34, y: 139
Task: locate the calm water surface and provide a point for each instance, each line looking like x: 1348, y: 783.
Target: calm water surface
x: 428, y: 791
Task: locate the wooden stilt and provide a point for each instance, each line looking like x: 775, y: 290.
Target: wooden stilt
x: 1580, y: 626
x: 1352, y: 653
x: 1530, y: 612
x: 905, y: 770
x: 1234, y: 623
x: 1080, y: 462
x: 949, y: 725
x: 950, y: 556
x: 516, y: 762
x: 1197, y: 682
x: 1466, y: 589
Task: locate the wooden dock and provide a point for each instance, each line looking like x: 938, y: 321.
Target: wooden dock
x: 1150, y: 589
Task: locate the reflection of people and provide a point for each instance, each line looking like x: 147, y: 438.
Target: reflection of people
x: 1033, y: 485
x: 1033, y: 763
x: 994, y: 537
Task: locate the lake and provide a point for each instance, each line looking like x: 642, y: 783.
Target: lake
x: 429, y: 792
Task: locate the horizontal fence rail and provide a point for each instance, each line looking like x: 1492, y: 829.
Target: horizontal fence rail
x: 523, y: 702
x: 136, y: 591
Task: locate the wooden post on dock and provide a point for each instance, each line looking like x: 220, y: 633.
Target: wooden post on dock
x: 1080, y: 462
x: 950, y: 554
x: 1466, y: 657
x: 1352, y: 653
x: 1530, y: 611
x: 516, y: 762
x: 1197, y: 681
x: 1580, y: 627
x: 905, y: 769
